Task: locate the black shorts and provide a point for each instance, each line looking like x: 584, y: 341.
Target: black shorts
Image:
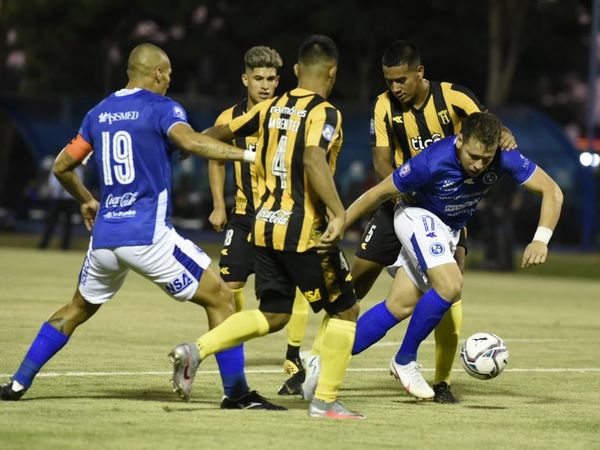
x: 379, y: 242
x: 237, y: 255
x: 323, y: 279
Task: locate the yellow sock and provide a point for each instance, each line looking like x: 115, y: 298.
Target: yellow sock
x: 296, y: 327
x: 234, y: 330
x: 238, y: 298
x: 336, y: 349
x: 316, y: 348
x: 446, y: 341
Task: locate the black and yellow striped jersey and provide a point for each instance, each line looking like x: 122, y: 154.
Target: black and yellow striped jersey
x: 244, y: 174
x: 289, y: 215
x: 408, y: 130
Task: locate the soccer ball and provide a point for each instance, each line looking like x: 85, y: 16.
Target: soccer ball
x: 484, y: 356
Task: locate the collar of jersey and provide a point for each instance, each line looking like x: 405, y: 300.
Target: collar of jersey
x: 124, y: 92
x: 301, y: 92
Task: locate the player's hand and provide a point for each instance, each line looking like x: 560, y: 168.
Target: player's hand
x: 535, y: 254
x: 332, y: 235
x: 507, y: 140
x: 89, y: 210
x: 218, y: 219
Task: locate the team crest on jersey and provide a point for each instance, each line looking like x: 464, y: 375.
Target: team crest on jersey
x: 404, y: 169
x: 179, y: 112
x: 328, y: 132
x: 444, y: 117
x: 490, y: 178
x: 436, y: 249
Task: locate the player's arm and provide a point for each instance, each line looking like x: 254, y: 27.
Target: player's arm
x: 206, y: 146
x: 382, y: 161
x: 64, y: 170
x: 552, y: 199
x: 222, y: 133
x: 216, y: 180
x: 370, y: 200
x: 320, y: 178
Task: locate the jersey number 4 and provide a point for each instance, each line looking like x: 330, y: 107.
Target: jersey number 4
x: 117, y: 158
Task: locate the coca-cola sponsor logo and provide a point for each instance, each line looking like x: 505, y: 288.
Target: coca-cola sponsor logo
x: 121, y: 201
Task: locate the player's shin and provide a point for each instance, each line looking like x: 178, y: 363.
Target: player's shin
x: 427, y: 314
x: 231, y: 368
x: 46, y: 344
x: 372, y: 326
x: 446, y: 342
x: 335, y: 357
x: 296, y: 327
x: 236, y: 329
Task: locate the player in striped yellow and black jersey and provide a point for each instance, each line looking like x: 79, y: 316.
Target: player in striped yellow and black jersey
x: 260, y: 77
x: 298, y: 211
x: 409, y: 116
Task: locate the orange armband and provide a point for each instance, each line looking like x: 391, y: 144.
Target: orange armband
x: 78, y: 148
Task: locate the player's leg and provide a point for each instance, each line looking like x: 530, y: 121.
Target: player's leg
x: 373, y: 325
x: 100, y: 278
x: 325, y: 281
x: 296, y: 329
x: 378, y: 248
x: 446, y: 336
x: 237, y: 258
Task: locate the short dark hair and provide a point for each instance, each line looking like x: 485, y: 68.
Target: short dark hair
x: 401, y: 52
x: 318, y: 48
x: 483, y: 126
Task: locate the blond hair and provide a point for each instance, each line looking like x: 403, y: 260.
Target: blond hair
x: 261, y: 56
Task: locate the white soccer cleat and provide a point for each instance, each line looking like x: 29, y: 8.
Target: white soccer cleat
x: 412, y: 380
x: 312, y: 365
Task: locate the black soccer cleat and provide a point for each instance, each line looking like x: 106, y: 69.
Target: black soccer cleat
x: 293, y: 385
x: 443, y: 394
x: 250, y: 400
x: 7, y: 393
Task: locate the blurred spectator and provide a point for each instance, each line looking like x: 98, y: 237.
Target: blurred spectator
x: 60, y: 207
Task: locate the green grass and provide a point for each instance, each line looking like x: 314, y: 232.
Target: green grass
x: 109, y: 386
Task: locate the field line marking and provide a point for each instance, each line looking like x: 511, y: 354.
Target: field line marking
x: 278, y: 371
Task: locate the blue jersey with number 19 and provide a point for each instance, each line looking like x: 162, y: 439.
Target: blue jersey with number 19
x: 129, y: 134
x: 438, y: 183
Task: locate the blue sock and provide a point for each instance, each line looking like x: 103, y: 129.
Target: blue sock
x: 372, y: 326
x: 231, y: 367
x: 427, y: 314
x: 46, y: 344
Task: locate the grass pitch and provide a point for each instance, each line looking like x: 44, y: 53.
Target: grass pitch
x: 109, y: 388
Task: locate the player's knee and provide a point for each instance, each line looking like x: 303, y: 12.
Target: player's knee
x: 276, y: 320
x: 350, y: 314
x: 398, y: 306
x: 236, y: 284
x: 450, y: 289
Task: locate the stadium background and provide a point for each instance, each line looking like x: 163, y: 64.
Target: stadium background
x: 528, y: 61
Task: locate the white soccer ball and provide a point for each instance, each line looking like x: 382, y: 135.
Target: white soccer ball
x: 484, y: 356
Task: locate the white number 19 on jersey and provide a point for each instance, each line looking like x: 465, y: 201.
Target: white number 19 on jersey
x: 117, y: 158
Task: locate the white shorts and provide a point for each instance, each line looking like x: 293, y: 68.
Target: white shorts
x: 427, y: 242
x: 173, y: 263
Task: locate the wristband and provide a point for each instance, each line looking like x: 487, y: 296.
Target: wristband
x: 542, y: 234
x: 249, y: 156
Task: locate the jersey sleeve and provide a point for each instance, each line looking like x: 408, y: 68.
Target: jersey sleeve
x: 170, y: 113
x: 517, y: 165
x: 378, y: 130
x: 323, y: 127
x: 224, y: 118
x: 85, y: 130
x: 463, y: 101
x: 248, y: 123
x: 412, y: 175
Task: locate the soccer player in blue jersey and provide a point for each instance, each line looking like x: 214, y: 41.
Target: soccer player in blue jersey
x: 130, y: 134
x: 440, y: 189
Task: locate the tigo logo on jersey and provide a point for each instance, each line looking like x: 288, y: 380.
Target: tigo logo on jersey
x: 328, y: 132
x: 436, y: 249
x: 179, y: 284
x: 404, y: 169
x: 179, y: 112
